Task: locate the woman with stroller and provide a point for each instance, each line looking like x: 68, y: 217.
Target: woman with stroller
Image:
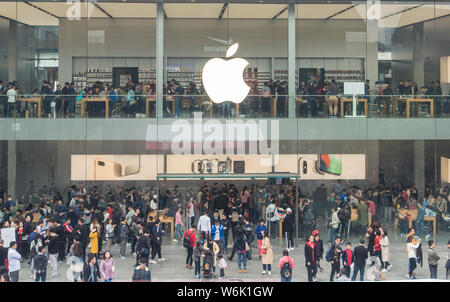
x: 210, y: 245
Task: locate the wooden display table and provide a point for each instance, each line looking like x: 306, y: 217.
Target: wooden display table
x: 37, y: 100
x: 147, y: 104
x: 274, y: 106
x: 409, y: 101
x: 433, y: 219
x: 345, y: 100
x: 164, y: 219
x: 95, y: 99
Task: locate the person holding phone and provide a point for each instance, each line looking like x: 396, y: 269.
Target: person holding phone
x: 412, y: 258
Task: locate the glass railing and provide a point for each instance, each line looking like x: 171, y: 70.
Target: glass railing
x: 253, y: 106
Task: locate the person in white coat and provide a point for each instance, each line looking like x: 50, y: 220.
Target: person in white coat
x: 385, y: 252
x: 204, y: 226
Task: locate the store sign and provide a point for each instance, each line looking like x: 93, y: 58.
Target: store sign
x: 223, y: 80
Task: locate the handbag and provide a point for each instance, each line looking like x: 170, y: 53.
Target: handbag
x: 247, y: 247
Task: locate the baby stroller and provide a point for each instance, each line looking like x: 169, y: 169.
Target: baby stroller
x: 208, y: 264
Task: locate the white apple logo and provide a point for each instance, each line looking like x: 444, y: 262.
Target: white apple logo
x: 223, y: 80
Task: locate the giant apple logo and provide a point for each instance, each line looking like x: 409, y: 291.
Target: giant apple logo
x: 223, y: 79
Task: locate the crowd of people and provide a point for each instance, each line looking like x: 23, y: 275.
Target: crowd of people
x: 313, y: 98
x: 80, y: 225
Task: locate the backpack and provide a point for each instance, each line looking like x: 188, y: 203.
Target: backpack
x: 286, y: 270
x: 328, y: 255
x: 234, y: 217
x: 187, y: 240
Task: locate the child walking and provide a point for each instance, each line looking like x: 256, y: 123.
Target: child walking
x: 222, y: 266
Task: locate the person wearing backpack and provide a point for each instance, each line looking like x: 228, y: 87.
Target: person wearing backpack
x: 286, y: 265
x: 334, y: 254
x: 189, y: 240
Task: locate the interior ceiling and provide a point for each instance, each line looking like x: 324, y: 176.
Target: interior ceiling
x: 393, y: 14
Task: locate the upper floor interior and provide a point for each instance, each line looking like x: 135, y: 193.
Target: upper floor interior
x: 295, y: 51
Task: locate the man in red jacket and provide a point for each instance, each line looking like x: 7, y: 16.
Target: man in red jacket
x: 347, y: 257
x: 190, y: 234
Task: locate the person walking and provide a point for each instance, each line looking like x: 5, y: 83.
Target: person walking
x: 94, y: 237
x: 347, y: 259
x: 335, y: 255
x: 433, y: 259
x: 91, y: 272
x: 77, y: 260
x: 288, y: 228
x: 198, y: 254
x: 53, y: 244
x: 260, y: 228
x: 359, y: 260
x: 13, y: 262
x: 377, y: 247
x: 267, y: 254
x: 109, y: 234
x: 318, y: 248
x: 385, y: 251
x: 286, y: 266
x: 239, y: 241
x: 143, y: 247
x: 311, y: 259
x: 40, y: 265
x: 334, y: 224
x: 123, y: 236
x: 179, y: 225
x: 189, y: 240
x: 222, y: 266
x: 204, y: 226
x: 412, y: 258
x: 107, y: 267
x: 217, y: 233
x: 142, y: 273
x: 210, y: 245
x: 156, y: 242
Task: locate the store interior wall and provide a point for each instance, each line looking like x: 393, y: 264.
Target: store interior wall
x: 261, y: 40
x: 49, y: 161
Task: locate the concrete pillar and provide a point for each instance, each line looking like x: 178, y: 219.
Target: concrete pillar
x: 12, y: 160
x: 291, y: 60
x: 159, y: 59
x: 373, y: 161
x: 418, y: 54
x: 372, y: 52
x: 419, y: 166
x: 12, y: 50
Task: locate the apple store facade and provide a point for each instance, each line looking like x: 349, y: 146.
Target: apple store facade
x: 248, y: 92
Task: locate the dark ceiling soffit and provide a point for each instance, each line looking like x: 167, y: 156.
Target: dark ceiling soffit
x: 42, y: 10
x: 402, y: 11
x: 222, y: 11
x: 342, y: 11
x: 280, y: 13
x: 101, y: 9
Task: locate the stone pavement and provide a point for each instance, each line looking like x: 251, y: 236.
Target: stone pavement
x: 173, y: 269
